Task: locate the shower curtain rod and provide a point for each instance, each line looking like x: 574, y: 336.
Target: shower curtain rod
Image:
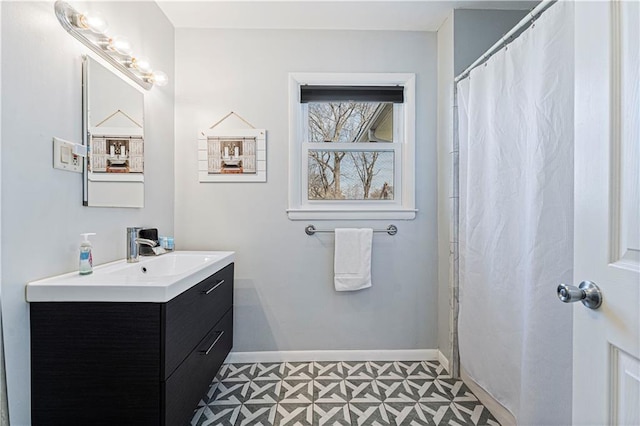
x: 531, y: 16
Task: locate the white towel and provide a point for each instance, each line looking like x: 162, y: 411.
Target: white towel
x: 352, y: 259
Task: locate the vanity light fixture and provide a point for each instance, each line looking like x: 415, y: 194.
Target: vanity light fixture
x: 93, y: 22
x: 141, y: 63
x: 159, y: 78
x: 119, y: 45
x: 91, y: 30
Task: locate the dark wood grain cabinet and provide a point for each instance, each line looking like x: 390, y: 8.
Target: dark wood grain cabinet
x: 129, y: 363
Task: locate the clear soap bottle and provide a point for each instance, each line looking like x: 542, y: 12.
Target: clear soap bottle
x: 86, y: 258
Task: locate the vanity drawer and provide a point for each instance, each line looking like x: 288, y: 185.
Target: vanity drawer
x: 191, y: 315
x: 187, y: 385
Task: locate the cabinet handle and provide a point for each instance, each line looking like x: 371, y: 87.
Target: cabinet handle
x: 218, y: 284
x: 213, y: 344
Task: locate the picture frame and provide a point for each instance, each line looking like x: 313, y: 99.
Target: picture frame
x: 232, y: 155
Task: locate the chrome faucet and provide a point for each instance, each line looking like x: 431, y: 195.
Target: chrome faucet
x: 156, y: 250
x: 146, y: 242
x: 134, y: 242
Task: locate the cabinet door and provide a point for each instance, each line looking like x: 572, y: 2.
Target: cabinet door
x: 95, y: 363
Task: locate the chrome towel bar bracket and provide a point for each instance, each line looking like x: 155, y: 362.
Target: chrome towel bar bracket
x: 310, y: 230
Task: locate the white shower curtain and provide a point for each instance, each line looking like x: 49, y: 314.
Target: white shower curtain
x: 516, y: 221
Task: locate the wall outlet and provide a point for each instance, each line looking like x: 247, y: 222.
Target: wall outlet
x: 65, y: 155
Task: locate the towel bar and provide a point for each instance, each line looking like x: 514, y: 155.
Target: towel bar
x: 310, y: 230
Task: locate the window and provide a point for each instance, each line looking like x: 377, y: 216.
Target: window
x: 351, y: 146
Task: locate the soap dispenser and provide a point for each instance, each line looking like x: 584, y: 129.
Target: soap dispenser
x: 86, y: 259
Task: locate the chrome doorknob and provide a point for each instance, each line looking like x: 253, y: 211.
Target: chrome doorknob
x: 587, y: 292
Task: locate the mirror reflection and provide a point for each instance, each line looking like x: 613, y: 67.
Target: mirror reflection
x: 114, y: 130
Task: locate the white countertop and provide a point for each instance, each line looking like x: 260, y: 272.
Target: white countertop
x: 155, y: 279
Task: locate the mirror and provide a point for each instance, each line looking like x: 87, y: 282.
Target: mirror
x: 113, y: 132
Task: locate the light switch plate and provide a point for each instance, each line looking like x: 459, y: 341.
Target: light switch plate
x: 64, y: 157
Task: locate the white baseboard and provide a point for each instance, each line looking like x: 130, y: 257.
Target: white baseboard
x: 499, y: 411
x: 343, y: 355
x: 444, y: 361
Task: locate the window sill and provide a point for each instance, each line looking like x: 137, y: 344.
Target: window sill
x: 351, y: 214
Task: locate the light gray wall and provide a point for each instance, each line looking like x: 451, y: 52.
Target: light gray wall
x: 477, y: 30
x: 284, y: 296
x: 42, y: 213
x: 445, y: 138
x: 4, y: 414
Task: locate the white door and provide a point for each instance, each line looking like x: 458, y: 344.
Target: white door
x: 606, y: 342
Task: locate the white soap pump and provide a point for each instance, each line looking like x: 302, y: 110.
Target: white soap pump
x: 86, y: 259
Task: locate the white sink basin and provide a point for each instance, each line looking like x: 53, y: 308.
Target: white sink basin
x: 153, y: 279
x: 168, y: 265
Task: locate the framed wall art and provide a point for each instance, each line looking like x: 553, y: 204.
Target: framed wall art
x: 232, y: 156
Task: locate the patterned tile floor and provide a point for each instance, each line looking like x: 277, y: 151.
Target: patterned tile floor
x: 339, y: 393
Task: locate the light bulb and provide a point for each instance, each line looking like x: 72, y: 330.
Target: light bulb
x: 159, y: 78
x: 120, y: 45
x: 142, y: 64
x: 92, y: 22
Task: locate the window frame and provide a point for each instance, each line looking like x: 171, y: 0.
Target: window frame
x: 403, y: 205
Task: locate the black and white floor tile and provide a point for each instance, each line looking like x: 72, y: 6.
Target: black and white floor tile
x: 339, y: 393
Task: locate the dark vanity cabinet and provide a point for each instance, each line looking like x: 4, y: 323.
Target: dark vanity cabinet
x: 129, y: 363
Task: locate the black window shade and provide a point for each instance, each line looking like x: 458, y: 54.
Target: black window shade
x: 393, y: 94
